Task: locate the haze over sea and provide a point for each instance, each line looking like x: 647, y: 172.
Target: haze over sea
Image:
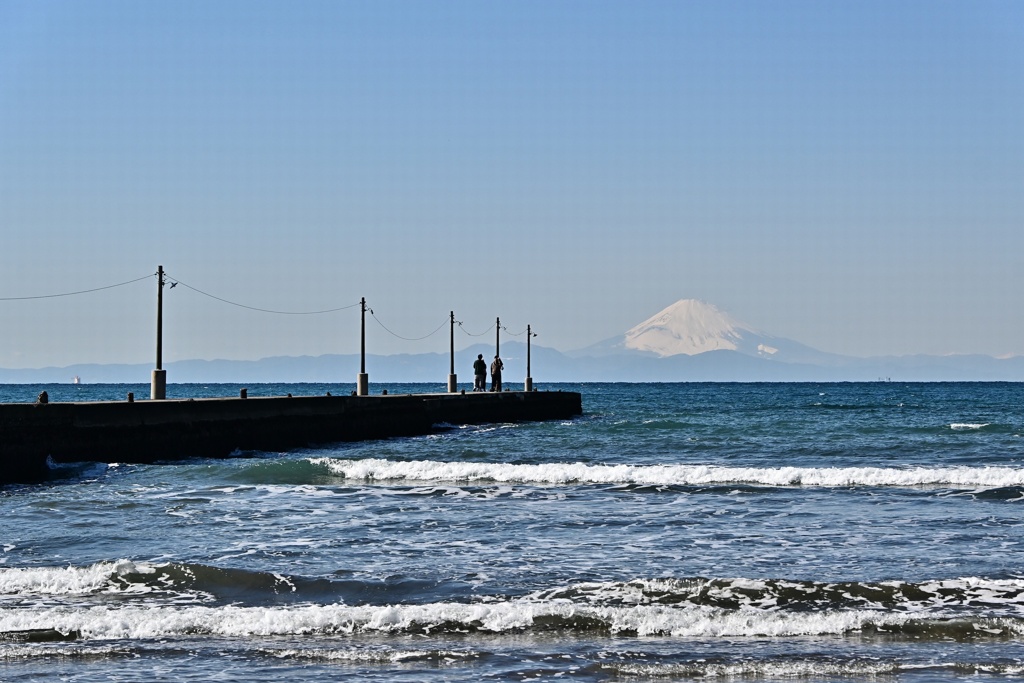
x: 823, y: 532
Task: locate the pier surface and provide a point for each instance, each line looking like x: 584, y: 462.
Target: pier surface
x: 153, y: 431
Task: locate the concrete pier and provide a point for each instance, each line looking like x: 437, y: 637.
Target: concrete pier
x: 152, y: 431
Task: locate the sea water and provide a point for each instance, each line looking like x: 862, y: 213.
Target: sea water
x: 819, y: 532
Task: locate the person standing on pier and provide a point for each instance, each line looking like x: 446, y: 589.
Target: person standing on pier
x: 496, y: 368
x: 479, y: 373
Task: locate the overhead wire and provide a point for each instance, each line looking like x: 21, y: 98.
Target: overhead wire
x: 394, y: 334
x: 82, y: 291
x: 176, y: 281
x: 474, y: 335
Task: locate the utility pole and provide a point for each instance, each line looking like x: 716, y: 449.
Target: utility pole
x: 497, y: 337
x: 363, y: 381
x: 158, y: 381
x: 529, y: 380
x: 453, y: 380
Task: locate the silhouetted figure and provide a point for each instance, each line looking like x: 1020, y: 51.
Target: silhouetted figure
x: 479, y: 373
x: 496, y: 368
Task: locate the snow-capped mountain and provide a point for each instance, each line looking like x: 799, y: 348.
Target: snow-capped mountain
x: 691, y: 327
x: 693, y: 340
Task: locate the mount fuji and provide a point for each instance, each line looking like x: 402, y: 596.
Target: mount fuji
x: 691, y: 327
x: 693, y: 340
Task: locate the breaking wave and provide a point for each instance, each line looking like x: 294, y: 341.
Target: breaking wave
x: 803, y: 668
x: 517, y: 616
x: 959, y: 609
x: 124, y: 577
x: 950, y: 596
x: 373, y: 469
x: 196, y: 583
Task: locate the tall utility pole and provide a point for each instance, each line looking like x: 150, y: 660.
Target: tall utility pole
x: 529, y: 380
x: 497, y: 336
x: 363, y: 381
x: 453, y: 381
x: 158, y: 382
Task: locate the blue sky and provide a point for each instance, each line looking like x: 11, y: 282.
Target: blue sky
x: 846, y: 174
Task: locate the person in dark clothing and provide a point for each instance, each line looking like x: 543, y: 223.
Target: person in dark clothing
x: 496, y: 368
x: 479, y: 373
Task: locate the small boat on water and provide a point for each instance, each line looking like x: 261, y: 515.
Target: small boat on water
x: 76, y: 380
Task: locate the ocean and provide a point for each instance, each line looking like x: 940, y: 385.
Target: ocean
x: 813, y: 532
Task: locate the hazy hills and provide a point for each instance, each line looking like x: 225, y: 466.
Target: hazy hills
x: 688, y: 341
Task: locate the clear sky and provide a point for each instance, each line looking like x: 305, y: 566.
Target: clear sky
x: 846, y: 174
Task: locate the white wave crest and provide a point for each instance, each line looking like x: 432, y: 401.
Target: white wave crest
x: 668, y: 475
x: 764, y: 593
x: 959, y: 426
x: 69, y: 580
x: 371, y: 656
x: 106, y: 623
x: 794, y: 669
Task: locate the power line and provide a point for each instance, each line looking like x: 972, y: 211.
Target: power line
x: 82, y: 291
x: 408, y: 338
x: 176, y: 281
x: 475, y: 335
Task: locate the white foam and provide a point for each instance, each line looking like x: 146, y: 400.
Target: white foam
x: 772, y: 670
x: 968, y: 425
x: 10, y: 652
x: 106, y: 623
x: 666, y: 475
x: 70, y: 580
x: 373, y: 656
x: 762, y: 594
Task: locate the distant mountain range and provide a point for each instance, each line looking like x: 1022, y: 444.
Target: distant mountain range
x: 690, y: 341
